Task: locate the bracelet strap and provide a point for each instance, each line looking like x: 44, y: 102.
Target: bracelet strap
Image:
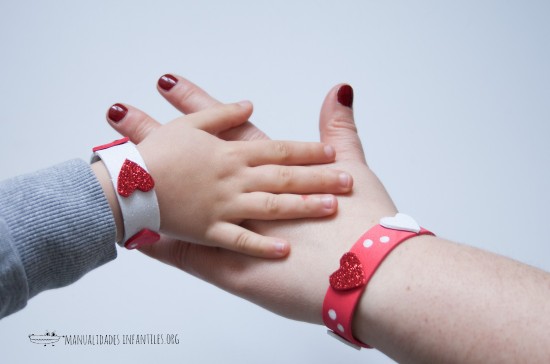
x: 357, y: 267
x: 134, y: 190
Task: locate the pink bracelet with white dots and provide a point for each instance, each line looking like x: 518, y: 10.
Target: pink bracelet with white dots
x: 357, y: 266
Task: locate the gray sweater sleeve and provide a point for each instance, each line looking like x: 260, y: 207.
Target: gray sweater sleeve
x: 55, y: 226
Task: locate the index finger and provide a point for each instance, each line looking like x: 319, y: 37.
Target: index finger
x: 189, y: 98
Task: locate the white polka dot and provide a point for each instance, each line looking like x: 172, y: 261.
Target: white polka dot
x: 384, y: 239
x: 340, y: 327
x: 367, y: 243
x: 332, y: 314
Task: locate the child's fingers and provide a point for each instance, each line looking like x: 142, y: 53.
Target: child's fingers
x: 221, y: 117
x: 267, y: 206
x: 297, y: 179
x: 285, y: 152
x: 241, y: 240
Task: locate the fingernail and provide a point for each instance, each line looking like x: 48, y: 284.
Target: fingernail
x: 329, y: 151
x: 167, y: 81
x: 344, y: 179
x: 327, y: 201
x: 345, y: 96
x: 244, y: 103
x: 117, y: 112
x: 280, y: 247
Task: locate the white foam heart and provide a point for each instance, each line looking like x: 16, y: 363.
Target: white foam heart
x: 400, y: 222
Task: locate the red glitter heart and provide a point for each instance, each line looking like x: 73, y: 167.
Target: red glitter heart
x: 131, y: 177
x: 350, y: 275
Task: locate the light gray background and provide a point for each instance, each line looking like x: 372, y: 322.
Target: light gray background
x: 451, y: 101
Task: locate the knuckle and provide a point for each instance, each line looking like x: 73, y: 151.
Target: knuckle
x: 187, y: 93
x: 254, y: 134
x: 179, y: 255
x: 272, y: 204
x: 283, y: 149
x: 232, y: 155
x: 243, y: 241
x: 342, y: 122
x: 142, y: 128
x: 285, y: 176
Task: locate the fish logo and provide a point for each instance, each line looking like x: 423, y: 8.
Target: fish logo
x: 50, y: 338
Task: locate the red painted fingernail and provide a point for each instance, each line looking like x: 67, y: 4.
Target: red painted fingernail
x: 117, y: 112
x: 167, y: 81
x: 345, y: 96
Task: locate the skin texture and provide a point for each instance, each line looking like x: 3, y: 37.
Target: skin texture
x: 431, y: 300
x: 222, y: 183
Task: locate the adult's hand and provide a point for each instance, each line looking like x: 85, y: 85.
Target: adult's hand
x: 184, y: 96
x: 295, y: 286
x: 431, y: 300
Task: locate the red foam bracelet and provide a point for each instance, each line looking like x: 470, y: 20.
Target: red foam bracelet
x: 348, y: 283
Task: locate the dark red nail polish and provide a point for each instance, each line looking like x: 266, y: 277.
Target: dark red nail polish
x: 167, y: 81
x: 117, y: 112
x: 345, y: 96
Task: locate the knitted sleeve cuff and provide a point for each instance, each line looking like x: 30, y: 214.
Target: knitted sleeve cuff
x: 60, y: 223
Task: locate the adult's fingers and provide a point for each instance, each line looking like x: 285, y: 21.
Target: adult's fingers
x: 184, y: 95
x: 189, y: 98
x: 131, y: 122
x: 237, y: 238
x: 337, y: 125
x: 211, y: 264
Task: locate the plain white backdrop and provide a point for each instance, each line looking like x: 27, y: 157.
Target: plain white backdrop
x: 451, y: 102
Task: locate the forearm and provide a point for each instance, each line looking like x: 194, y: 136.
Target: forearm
x: 436, y: 301
x: 104, y: 179
x: 57, y: 226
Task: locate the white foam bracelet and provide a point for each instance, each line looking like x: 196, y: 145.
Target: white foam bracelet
x: 141, y: 209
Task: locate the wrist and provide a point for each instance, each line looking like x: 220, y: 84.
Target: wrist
x: 102, y: 175
x: 357, y: 268
x: 133, y: 188
x: 376, y: 314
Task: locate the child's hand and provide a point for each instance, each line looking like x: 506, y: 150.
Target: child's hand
x: 206, y: 186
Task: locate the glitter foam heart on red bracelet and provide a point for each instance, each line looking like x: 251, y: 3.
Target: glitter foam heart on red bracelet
x: 350, y: 275
x: 131, y: 177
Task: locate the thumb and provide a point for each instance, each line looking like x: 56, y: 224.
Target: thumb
x: 337, y: 126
